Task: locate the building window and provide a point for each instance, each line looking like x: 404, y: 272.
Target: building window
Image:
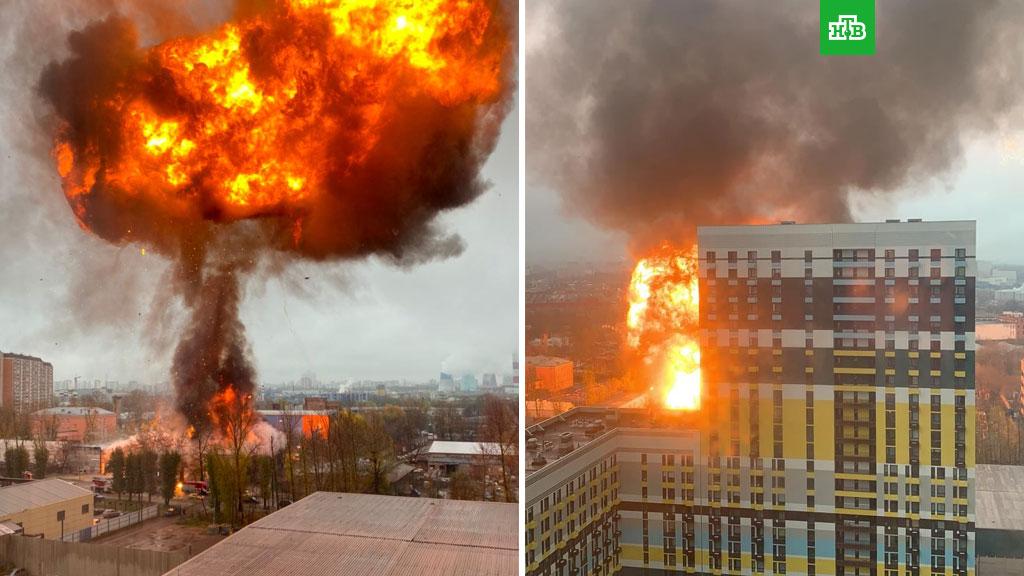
x: 85, y: 508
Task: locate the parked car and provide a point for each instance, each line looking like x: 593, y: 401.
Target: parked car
x: 111, y: 514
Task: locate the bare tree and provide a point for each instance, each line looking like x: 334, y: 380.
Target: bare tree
x: 288, y: 422
x: 91, y: 415
x: 236, y: 416
x: 379, y: 453
x: 500, y: 429
x: 48, y: 426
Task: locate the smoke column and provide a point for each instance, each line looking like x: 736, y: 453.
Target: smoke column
x: 303, y: 129
x: 654, y: 116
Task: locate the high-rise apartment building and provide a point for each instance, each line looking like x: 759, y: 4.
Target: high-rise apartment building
x: 26, y: 383
x: 836, y: 429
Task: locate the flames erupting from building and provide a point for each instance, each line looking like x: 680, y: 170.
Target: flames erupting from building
x: 662, y: 324
x: 318, y: 129
x: 646, y: 126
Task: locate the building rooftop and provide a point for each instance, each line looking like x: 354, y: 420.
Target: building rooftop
x: 363, y: 534
x: 546, y: 361
x: 20, y: 497
x: 999, y: 497
x: 22, y: 357
x: 560, y: 435
x: 72, y: 411
x: 463, y: 448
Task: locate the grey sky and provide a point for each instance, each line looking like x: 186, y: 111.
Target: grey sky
x: 85, y: 305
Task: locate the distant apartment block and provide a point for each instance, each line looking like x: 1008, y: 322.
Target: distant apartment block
x: 836, y: 434
x: 548, y: 373
x: 26, y: 382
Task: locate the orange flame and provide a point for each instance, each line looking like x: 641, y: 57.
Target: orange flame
x: 662, y: 323
x: 233, y: 414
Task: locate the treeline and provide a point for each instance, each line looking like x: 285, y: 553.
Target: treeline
x: 144, y: 472
x: 1000, y: 430
x: 16, y: 460
x: 349, y: 452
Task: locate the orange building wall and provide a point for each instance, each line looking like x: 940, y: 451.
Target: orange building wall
x: 550, y: 378
x: 72, y: 427
x: 311, y: 422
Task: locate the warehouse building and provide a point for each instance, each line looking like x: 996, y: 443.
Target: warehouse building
x: 333, y: 533
x: 50, y: 508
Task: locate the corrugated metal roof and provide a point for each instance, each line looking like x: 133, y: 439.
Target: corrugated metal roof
x: 19, y: 497
x: 999, y: 497
x: 362, y: 534
x: 463, y: 448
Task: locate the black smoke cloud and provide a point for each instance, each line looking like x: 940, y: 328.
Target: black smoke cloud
x: 654, y: 116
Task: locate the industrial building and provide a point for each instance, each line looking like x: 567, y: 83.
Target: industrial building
x: 836, y: 428
x: 448, y: 456
x: 548, y: 373
x: 333, y: 533
x: 75, y: 424
x: 301, y: 422
x: 50, y: 508
x: 26, y: 382
x: 1000, y: 526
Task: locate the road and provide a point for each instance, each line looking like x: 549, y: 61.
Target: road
x: 163, y: 534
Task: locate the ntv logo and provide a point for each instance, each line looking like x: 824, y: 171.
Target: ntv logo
x: 847, y: 27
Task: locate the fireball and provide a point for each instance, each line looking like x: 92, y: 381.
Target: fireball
x: 662, y: 323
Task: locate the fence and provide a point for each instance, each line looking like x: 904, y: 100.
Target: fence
x: 106, y: 525
x: 53, y: 557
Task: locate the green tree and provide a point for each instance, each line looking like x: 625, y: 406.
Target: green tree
x: 136, y: 480
x: 462, y: 486
x: 118, y: 468
x: 169, y: 464
x: 42, y: 459
x: 214, y: 485
x: 223, y: 488
x: 16, y: 461
x: 149, y: 460
x: 265, y: 471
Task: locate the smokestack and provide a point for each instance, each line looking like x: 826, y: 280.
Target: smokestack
x: 652, y: 117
